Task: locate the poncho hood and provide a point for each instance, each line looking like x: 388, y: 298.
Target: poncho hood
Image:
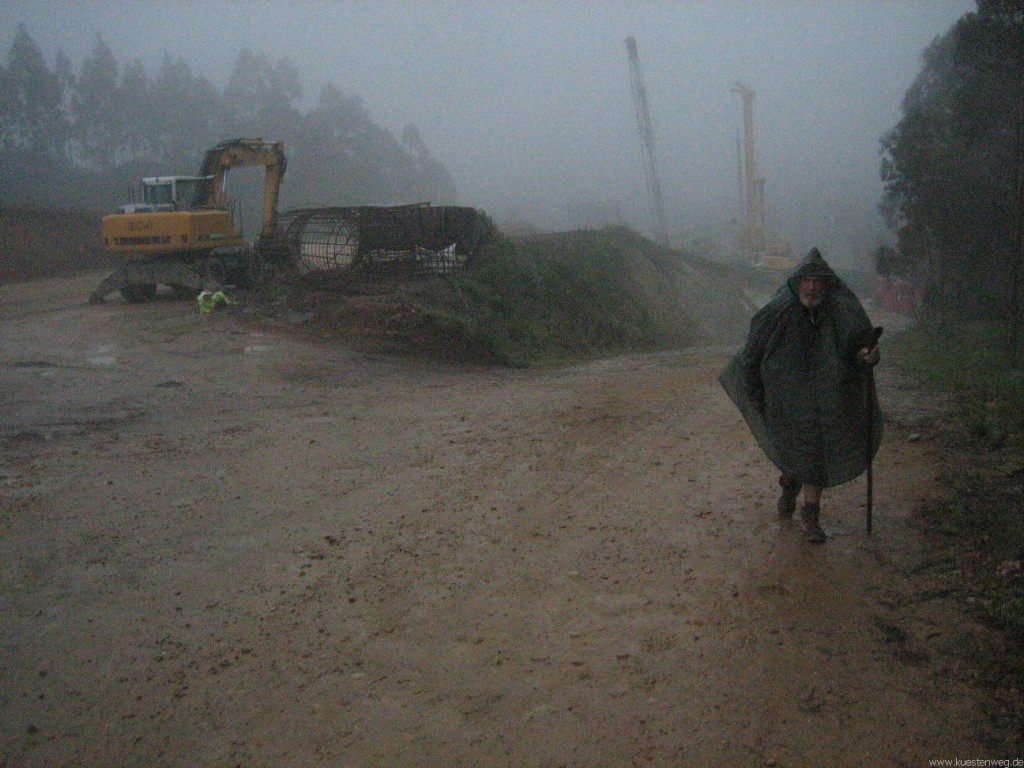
x: 812, y: 265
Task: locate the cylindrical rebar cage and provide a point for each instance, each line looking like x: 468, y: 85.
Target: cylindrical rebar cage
x: 380, y: 241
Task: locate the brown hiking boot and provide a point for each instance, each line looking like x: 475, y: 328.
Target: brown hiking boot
x: 787, y: 500
x: 810, y: 513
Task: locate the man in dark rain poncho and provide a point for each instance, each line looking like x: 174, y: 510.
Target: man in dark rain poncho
x: 800, y: 383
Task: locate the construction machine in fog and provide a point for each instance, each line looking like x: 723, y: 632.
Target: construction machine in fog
x: 644, y: 126
x: 756, y: 246
x: 181, y: 234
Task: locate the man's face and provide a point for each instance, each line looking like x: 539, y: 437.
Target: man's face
x: 812, y: 291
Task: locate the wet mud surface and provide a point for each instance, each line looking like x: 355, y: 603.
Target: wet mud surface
x: 221, y: 544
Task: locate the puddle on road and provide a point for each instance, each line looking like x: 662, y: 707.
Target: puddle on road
x: 103, y: 355
x: 256, y: 347
x: 41, y: 368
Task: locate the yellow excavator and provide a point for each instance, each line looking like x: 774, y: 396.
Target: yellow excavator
x: 181, y: 234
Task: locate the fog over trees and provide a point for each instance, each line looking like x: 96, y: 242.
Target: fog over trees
x: 81, y: 137
x: 527, y: 104
x: 953, y: 169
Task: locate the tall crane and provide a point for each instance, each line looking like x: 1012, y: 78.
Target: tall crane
x: 752, y: 239
x: 755, y: 243
x: 643, y: 123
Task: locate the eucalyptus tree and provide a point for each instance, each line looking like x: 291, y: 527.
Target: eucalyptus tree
x: 953, y: 168
x: 32, y: 117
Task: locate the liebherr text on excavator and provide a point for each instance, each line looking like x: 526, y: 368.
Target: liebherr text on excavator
x: 181, y: 234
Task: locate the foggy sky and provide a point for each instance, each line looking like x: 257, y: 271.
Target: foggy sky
x: 528, y: 104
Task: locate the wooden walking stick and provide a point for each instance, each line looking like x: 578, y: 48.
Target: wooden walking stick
x: 870, y: 393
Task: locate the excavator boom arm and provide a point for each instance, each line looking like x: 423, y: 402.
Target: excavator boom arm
x: 240, y: 153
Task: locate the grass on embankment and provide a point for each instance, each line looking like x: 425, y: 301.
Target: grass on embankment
x: 557, y: 298
x: 575, y: 295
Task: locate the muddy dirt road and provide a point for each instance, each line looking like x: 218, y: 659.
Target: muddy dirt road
x: 223, y: 545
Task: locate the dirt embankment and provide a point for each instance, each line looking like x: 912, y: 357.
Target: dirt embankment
x: 41, y: 243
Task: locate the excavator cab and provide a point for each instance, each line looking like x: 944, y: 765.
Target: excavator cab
x: 167, y: 193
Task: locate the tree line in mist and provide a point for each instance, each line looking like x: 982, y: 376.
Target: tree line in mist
x: 81, y: 138
x: 953, y: 173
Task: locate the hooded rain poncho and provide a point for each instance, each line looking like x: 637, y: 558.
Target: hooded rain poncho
x: 804, y: 366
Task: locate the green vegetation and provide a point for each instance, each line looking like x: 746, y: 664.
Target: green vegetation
x: 952, y: 169
x: 985, y: 473
x: 549, y: 299
x: 969, y: 358
x: 982, y: 514
x: 539, y: 300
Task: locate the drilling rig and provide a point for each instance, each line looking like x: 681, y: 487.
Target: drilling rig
x: 643, y: 123
x: 754, y: 243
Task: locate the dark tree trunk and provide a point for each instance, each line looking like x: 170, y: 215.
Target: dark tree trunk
x: 1015, y: 308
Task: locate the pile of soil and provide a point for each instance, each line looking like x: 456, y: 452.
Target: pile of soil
x: 610, y: 291
x: 44, y: 242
